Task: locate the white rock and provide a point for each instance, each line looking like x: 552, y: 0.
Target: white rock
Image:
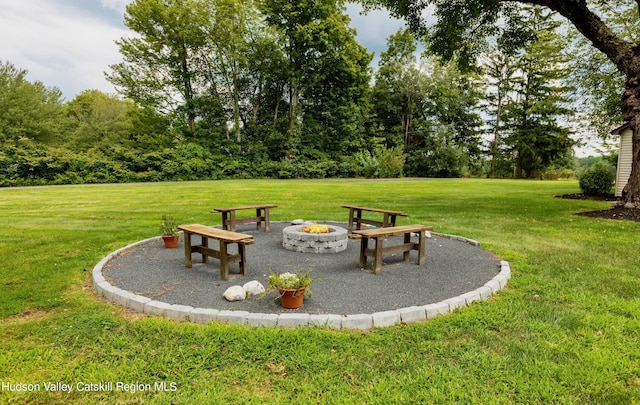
x: 297, y: 222
x: 235, y: 293
x: 253, y: 288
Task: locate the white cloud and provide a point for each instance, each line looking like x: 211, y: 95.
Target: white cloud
x: 59, y: 45
x: 374, y: 27
x: 118, y: 5
x: 69, y: 44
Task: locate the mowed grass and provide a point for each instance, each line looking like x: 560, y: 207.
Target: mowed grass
x: 566, y: 330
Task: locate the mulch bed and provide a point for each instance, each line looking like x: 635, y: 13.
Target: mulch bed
x: 615, y: 212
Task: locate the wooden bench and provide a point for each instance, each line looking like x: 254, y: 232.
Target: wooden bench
x: 355, y: 216
x: 229, y: 220
x: 379, y: 234
x: 225, y: 238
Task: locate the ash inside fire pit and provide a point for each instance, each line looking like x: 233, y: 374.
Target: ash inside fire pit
x: 302, y: 238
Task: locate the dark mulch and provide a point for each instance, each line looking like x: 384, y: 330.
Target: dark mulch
x: 580, y: 196
x: 615, y: 212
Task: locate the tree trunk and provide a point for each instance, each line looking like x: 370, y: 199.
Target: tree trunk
x: 188, y: 89
x: 496, y: 137
x: 294, y: 94
x: 258, y: 98
x: 631, y: 114
x: 409, y: 118
x: 631, y: 192
x: 517, y: 169
x: 236, y: 102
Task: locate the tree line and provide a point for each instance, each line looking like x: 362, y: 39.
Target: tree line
x: 609, y: 28
x: 214, y: 89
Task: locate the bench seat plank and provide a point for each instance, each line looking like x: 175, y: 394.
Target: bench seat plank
x: 379, y: 234
x: 382, y: 211
x: 392, y: 231
x: 244, y: 207
x: 229, y: 220
x: 355, y: 216
x: 222, y: 254
x: 216, y: 233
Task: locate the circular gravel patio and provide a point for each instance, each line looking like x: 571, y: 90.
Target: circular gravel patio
x: 151, y: 279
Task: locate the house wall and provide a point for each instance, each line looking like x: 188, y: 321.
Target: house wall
x: 624, y: 161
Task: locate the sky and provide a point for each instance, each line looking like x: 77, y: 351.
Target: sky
x: 69, y: 44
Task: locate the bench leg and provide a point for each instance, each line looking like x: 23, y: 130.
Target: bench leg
x: 232, y: 221
x: 364, y: 245
x: 242, y: 251
x: 421, y: 245
x: 350, y: 223
x: 187, y: 250
x: 225, y: 221
x: 224, y: 265
x: 407, y: 239
x: 267, y: 221
x: 205, y: 243
x: 259, y: 221
x: 377, y: 264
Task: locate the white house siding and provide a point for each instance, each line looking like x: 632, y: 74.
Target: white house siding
x: 624, y: 161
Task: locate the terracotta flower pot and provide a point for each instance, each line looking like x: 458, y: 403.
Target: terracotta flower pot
x: 170, y: 241
x: 291, y: 298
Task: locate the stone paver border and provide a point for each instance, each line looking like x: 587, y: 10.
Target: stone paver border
x: 289, y: 320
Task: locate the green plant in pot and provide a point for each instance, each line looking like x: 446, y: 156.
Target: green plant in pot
x: 291, y: 287
x: 169, y: 231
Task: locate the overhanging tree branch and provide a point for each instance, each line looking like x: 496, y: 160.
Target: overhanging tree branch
x: 457, y: 18
x: 593, y: 28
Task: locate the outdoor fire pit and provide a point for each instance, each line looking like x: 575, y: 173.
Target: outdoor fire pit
x: 314, y: 238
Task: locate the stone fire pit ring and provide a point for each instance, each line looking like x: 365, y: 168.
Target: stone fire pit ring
x: 294, y: 238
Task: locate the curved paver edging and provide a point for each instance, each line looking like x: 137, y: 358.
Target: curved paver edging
x: 188, y: 313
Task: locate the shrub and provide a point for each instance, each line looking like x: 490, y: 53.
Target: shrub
x: 554, y: 172
x: 438, y: 156
x: 368, y: 164
x: 390, y: 162
x: 597, y: 180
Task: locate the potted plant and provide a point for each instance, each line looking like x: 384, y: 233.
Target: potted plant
x: 169, y: 231
x: 291, y: 287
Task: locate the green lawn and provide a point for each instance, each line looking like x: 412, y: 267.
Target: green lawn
x: 565, y: 330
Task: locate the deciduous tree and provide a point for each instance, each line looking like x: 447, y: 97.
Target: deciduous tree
x: 596, y: 79
x: 98, y: 119
x: 234, y: 24
x: 163, y: 64
x: 327, y: 73
x: 29, y: 109
x: 462, y: 25
x: 413, y: 99
x: 400, y: 88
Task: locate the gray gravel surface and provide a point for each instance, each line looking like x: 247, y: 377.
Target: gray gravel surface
x: 452, y: 267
